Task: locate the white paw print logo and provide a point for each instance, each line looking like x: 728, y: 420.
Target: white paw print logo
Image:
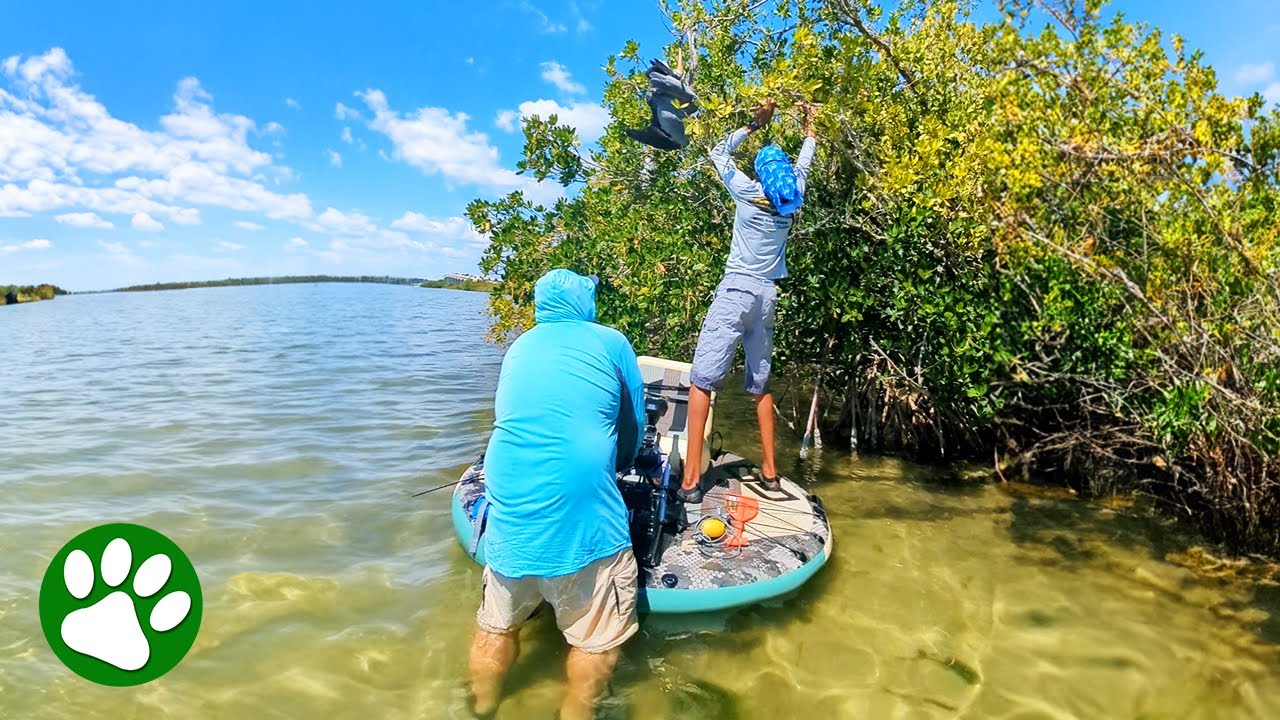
x: 136, y: 625
x: 109, y: 629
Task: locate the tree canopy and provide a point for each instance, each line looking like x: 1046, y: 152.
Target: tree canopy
x: 13, y: 294
x: 1048, y: 236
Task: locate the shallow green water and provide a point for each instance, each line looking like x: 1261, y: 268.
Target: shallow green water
x: 276, y: 432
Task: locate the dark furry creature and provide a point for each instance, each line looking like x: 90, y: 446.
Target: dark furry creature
x: 671, y: 101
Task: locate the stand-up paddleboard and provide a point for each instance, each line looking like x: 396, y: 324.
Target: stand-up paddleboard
x: 741, y: 545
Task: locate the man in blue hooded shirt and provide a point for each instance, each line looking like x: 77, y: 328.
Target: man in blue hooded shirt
x: 569, y: 412
x: 744, y: 305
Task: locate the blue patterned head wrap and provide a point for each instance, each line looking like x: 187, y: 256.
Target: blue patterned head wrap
x: 778, y: 180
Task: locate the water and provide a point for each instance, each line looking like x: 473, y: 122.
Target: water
x: 276, y: 432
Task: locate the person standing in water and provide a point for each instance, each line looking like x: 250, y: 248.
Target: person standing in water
x: 745, y: 302
x: 569, y: 413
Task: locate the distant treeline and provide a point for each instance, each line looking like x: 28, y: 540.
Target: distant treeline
x: 384, y: 279
x: 14, y: 294
x: 474, y: 285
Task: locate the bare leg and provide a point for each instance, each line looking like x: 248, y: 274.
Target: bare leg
x: 764, y: 413
x: 492, y: 655
x: 699, y: 408
x: 588, y: 674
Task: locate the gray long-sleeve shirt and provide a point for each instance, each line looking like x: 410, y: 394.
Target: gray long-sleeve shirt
x: 759, y: 245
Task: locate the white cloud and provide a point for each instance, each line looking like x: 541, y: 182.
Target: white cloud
x: 335, y: 253
x: 61, y: 148
x: 470, y: 61
x: 44, y: 196
x: 588, y: 119
x: 83, y: 220
x: 356, y: 240
x: 37, y: 244
x: 187, y: 216
x: 556, y: 74
x: 1260, y: 78
x: 294, y: 104
x: 199, y: 184
x: 53, y: 130
x: 1272, y: 93
x: 335, y: 222
x: 450, y: 228
x: 146, y: 223
x: 508, y: 120
x: 583, y: 25
x: 53, y: 62
x: 1255, y: 74
x: 546, y: 25
x: 219, y: 140
x: 438, y: 142
x: 334, y: 158
x: 64, y: 155
x: 118, y: 251
x: 350, y: 139
x: 225, y: 246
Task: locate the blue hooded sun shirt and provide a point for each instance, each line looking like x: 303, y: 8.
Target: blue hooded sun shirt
x: 569, y: 412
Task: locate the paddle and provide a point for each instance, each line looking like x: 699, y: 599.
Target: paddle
x: 813, y: 419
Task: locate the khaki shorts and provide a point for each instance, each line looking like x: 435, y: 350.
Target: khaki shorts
x: 595, y: 607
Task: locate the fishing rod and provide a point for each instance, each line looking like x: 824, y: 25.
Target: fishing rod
x: 438, y: 487
x: 446, y: 485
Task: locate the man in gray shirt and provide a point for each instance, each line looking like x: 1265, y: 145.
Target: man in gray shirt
x: 745, y: 301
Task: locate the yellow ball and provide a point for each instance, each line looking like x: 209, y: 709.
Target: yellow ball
x: 712, y: 528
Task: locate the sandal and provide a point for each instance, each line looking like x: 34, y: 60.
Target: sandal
x: 772, y: 484
x: 691, y: 496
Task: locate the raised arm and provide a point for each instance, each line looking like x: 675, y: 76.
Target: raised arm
x: 805, y: 159
x: 738, y: 184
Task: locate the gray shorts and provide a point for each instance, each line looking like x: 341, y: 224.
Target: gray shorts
x: 742, y: 311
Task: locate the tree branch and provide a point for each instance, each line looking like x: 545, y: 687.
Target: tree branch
x: 855, y: 19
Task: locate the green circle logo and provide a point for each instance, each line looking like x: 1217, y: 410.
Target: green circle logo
x: 120, y: 604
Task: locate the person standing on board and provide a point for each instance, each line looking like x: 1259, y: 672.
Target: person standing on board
x: 569, y: 412
x: 744, y: 304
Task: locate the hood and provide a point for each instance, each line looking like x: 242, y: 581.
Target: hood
x: 563, y: 295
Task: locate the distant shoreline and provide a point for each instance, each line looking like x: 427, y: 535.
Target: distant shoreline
x: 479, y: 286
x: 470, y: 285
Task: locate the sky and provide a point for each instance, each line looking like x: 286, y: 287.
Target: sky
x: 158, y: 141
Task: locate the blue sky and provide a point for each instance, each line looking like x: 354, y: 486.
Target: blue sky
x: 149, y: 142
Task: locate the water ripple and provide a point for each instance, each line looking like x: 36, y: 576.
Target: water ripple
x: 277, y: 432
